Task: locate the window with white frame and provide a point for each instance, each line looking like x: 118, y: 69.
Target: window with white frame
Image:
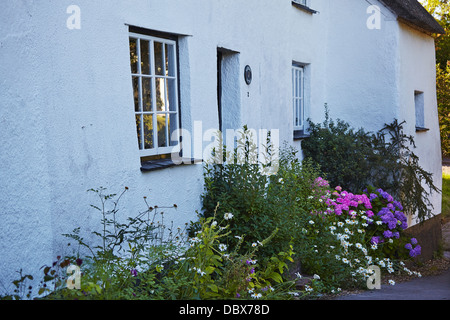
x: 154, y: 76
x: 298, y: 101
x: 419, y: 103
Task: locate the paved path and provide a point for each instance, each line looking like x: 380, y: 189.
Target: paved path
x: 426, y: 288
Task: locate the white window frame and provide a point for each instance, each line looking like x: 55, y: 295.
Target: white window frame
x: 302, y: 2
x: 419, y: 105
x: 298, y: 96
x: 171, y: 141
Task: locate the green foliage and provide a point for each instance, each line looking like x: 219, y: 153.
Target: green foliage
x: 440, y: 9
x: 358, y: 159
x: 261, y: 203
x: 143, y: 259
x: 446, y: 195
x: 443, y: 97
x: 341, y: 151
x: 22, y: 288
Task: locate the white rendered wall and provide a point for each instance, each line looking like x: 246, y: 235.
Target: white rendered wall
x: 417, y: 72
x: 361, y: 72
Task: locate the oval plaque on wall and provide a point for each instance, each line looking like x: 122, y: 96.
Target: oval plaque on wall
x: 248, y: 74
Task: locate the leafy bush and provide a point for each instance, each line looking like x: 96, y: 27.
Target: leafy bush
x: 443, y: 97
x: 352, y: 233
x: 358, y: 159
x: 317, y: 221
x: 144, y: 259
x: 261, y: 203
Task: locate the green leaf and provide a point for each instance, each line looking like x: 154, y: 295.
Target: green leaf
x: 276, y: 277
x: 209, y: 269
x: 213, y: 287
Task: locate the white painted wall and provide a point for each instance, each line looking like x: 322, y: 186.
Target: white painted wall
x: 417, y: 72
x: 66, y: 99
x: 361, y: 65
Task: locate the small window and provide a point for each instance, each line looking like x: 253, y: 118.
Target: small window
x: 302, y: 2
x: 419, y: 103
x: 303, y: 5
x: 298, y: 101
x: 153, y: 62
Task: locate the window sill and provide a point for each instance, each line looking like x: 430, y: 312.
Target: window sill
x: 421, y: 129
x: 160, y: 164
x: 300, y: 135
x: 303, y: 8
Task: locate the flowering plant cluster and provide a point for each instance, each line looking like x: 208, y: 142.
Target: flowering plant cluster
x: 413, y: 252
x: 384, y: 219
x: 357, y: 231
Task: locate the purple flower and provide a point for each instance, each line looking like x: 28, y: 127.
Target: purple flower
x: 238, y: 295
x: 375, y: 240
x: 415, y: 252
x: 400, y: 215
x: 408, y: 246
x: 387, y: 234
x: 387, y: 196
x: 398, y: 205
x: 373, y: 196
x: 392, y: 224
x: 134, y: 272
x: 413, y: 240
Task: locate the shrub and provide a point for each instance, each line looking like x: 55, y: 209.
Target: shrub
x: 135, y: 261
x: 357, y: 159
x: 354, y: 232
x: 261, y: 203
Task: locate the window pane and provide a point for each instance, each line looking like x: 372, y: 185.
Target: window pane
x: 145, y: 57
x: 300, y: 112
x: 171, y: 95
x: 148, y: 131
x: 138, y: 128
x: 136, y: 93
x: 300, y: 83
x: 162, y: 138
x: 170, y: 60
x: 160, y: 94
x: 133, y: 55
x: 173, y: 125
x: 147, y: 94
x: 159, y: 65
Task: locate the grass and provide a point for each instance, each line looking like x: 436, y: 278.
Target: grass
x: 446, y: 195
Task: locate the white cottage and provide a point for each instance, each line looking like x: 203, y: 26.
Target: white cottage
x: 91, y: 92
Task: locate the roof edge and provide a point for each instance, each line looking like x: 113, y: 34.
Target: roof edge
x: 412, y: 13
